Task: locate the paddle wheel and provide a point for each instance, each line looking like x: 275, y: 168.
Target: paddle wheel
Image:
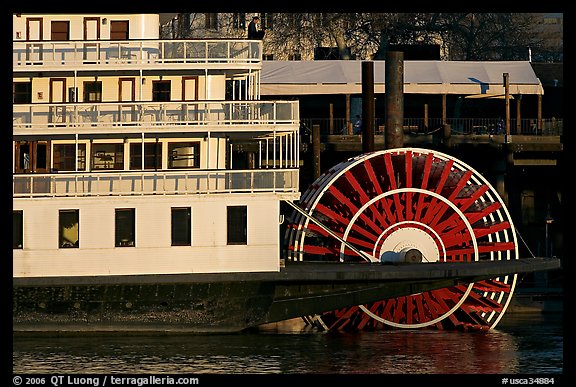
x: 408, y: 206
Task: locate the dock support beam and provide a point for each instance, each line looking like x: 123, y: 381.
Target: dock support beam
x: 394, y: 90
x: 368, y: 116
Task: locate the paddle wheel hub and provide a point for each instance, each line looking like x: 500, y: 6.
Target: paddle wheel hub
x: 408, y: 206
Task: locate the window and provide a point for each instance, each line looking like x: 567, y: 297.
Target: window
x: 125, y: 227
x: 321, y: 20
x: 41, y: 155
x: 237, y: 225
x: 22, y: 92
x: 184, y: 155
x: 181, y: 226
x: 23, y: 149
x: 295, y: 56
x: 236, y: 89
x: 211, y: 21
x: 60, y: 30
x: 239, y: 21
x: 69, y: 234
x: 65, y: 157
x: 119, y: 30
x: 161, y: 91
x: 17, y: 230
x: 93, y: 91
x: 72, y: 93
x: 107, y: 156
x: 152, y: 156
x: 266, y: 20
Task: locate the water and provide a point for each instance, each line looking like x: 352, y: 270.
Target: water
x: 521, y: 344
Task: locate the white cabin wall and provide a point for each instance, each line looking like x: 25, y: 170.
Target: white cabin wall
x: 141, y: 26
x: 110, y: 87
x: 147, y: 26
x: 216, y: 87
x: 217, y: 152
x: 153, y: 253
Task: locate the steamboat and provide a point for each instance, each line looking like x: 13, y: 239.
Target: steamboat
x: 137, y: 209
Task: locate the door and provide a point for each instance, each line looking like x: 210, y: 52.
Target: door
x: 91, y: 32
x: 119, y: 31
x: 189, y: 93
x: 58, y: 96
x: 127, y: 93
x: 32, y: 157
x: 59, y: 32
x: 189, y: 88
x: 34, y: 27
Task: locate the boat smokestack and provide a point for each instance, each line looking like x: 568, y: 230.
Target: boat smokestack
x: 368, y: 116
x: 394, y: 90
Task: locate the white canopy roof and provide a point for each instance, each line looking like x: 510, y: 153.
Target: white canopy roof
x: 420, y: 77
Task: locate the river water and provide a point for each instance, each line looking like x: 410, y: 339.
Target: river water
x: 520, y: 344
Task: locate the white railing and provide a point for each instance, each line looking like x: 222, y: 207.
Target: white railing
x: 213, y: 113
x: 156, y: 183
x: 39, y: 54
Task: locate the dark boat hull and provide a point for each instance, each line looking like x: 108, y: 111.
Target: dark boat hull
x: 229, y: 302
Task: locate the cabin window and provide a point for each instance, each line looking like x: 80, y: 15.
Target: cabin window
x: 22, y: 92
x: 69, y: 235
x: 295, y: 56
x: 125, y: 227
x: 181, y: 226
x: 119, y: 30
x: 237, y: 225
x: 184, y: 155
x: 107, y: 156
x: 93, y: 91
x: 211, y: 21
x: 266, y: 20
x: 152, y: 155
x: 41, y: 155
x: 161, y: 91
x: 17, y: 229
x: 239, y: 20
x: 60, y: 30
x: 65, y: 157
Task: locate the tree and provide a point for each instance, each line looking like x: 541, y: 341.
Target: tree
x: 461, y: 36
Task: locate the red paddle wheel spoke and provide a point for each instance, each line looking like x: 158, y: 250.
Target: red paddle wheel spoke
x: 383, y: 203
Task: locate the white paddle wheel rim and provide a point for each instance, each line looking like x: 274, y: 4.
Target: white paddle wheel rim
x: 312, y: 197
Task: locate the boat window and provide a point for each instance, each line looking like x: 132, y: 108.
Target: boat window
x: 65, y: 157
x: 69, y: 235
x: 60, y: 30
x: 237, y: 225
x: 239, y: 20
x: 22, y: 92
x: 184, y: 155
x: 125, y: 227
x: 181, y: 226
x: 119, y: 30
x: 17, y: 230
x: 211, y: 21
x: 152, y: 155
x: 107, y: 156
x: 93, y: 91
x: 161, y: 91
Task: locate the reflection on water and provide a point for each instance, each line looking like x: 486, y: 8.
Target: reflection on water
x: 527, y: 344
